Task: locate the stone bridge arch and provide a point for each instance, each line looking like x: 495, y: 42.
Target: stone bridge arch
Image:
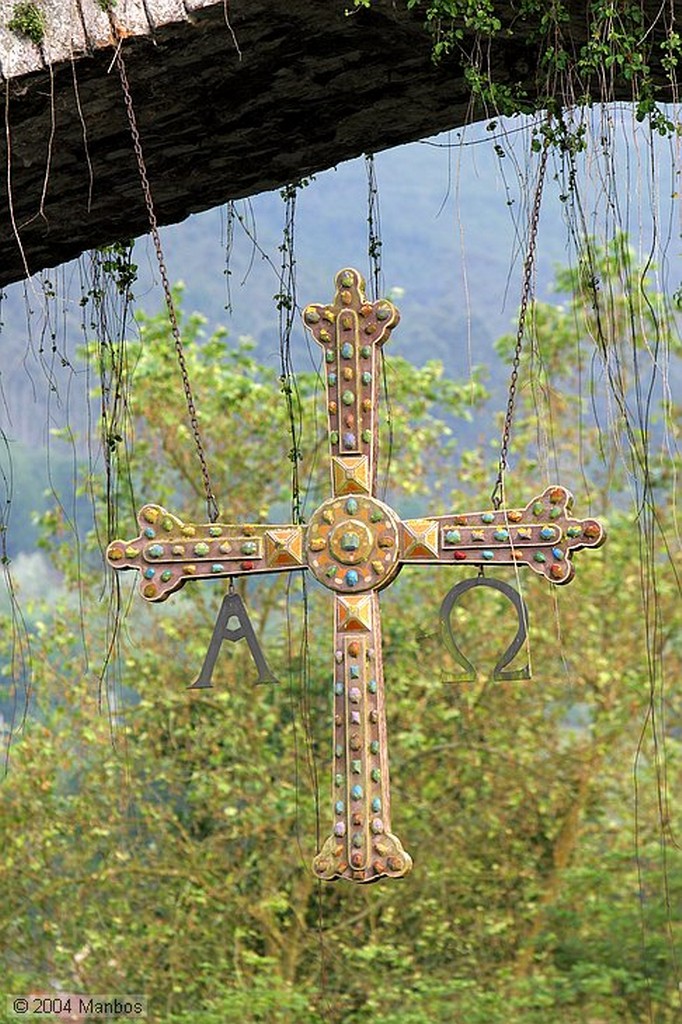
x: 233, y: 97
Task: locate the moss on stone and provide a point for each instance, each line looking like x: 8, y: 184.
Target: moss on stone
x: 28, y: 20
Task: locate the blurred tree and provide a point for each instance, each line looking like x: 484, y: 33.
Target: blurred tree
x: 171, y: 855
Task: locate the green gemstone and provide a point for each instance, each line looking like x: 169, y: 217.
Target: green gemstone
x: 574, y: 531
x: 383, y: 312
x: 167, y: 524
x: 166, y: 575
x: 365, y: 351
x: 214, y: 531
x: 249, y: 547
x: 555, y: 512
x: 539, y: 557
x: 334, y: 437
x: 338, y: 779
x: 488, y: 517
x: 376, y: 775
x: 201, y: 548
x: 367, y: 436
x: 453, y: 536
x: 351, y: 506
x: 376, y: 515
x: 538, y: 508
x: 347, y: 280
x: 331, y: 571
x: 348, y: 398
x: 330, y: 355
x: 374, y: 746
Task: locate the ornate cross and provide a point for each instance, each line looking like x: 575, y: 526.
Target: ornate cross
x: 355, y: 545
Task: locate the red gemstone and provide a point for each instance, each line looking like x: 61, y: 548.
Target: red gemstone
x: 248, y: 565
x: 460, y: 556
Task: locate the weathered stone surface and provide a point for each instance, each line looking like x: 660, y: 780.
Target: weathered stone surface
x: 231, y: 99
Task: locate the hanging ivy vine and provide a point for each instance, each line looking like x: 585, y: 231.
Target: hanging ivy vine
x: 622, y: 49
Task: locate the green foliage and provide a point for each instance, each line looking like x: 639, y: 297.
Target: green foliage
x: 28, y: 19
x: 176, y: 860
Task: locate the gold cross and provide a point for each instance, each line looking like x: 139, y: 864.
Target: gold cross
x: 355, y: 545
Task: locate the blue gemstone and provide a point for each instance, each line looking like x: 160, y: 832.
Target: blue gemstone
x: 355, y: 672
x: 347, y: 350
x: 356, y: 766
x: 351, y: 506
x: 501, y: 534
x: 488, y: 555
x: 155, y: 550
x: 217, y: 567
x: 558, y: 553
x: 366, y: 377
x: 376, y: 804
x: 547, y: 532
x: 149, y: 532
x: 488, y: 517
x: 349, y: 440
x: 331, y: 379
x: 339, y: 806
x: 338, y: 689
x: 372, y: 686
x: 351, y: 578
x: 149, y: 574
x: 453, y: 537
x: 356, y: 792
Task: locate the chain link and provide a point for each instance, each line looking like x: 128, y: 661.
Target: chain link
x: 528, y: 267
x: 211, y: 503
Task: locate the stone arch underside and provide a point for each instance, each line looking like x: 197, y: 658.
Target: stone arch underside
x: 232, y: 98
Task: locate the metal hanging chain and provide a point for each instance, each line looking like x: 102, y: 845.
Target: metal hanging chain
x: 528, y: 268
x: 211, y: 503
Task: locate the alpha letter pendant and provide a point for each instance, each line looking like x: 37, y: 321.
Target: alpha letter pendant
x: 232, y: 608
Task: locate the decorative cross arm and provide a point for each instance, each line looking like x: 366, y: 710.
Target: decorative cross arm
x: 168, y: 552
x: 543, y: 535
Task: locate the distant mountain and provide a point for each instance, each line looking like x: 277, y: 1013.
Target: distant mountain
x: 454, y: 212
